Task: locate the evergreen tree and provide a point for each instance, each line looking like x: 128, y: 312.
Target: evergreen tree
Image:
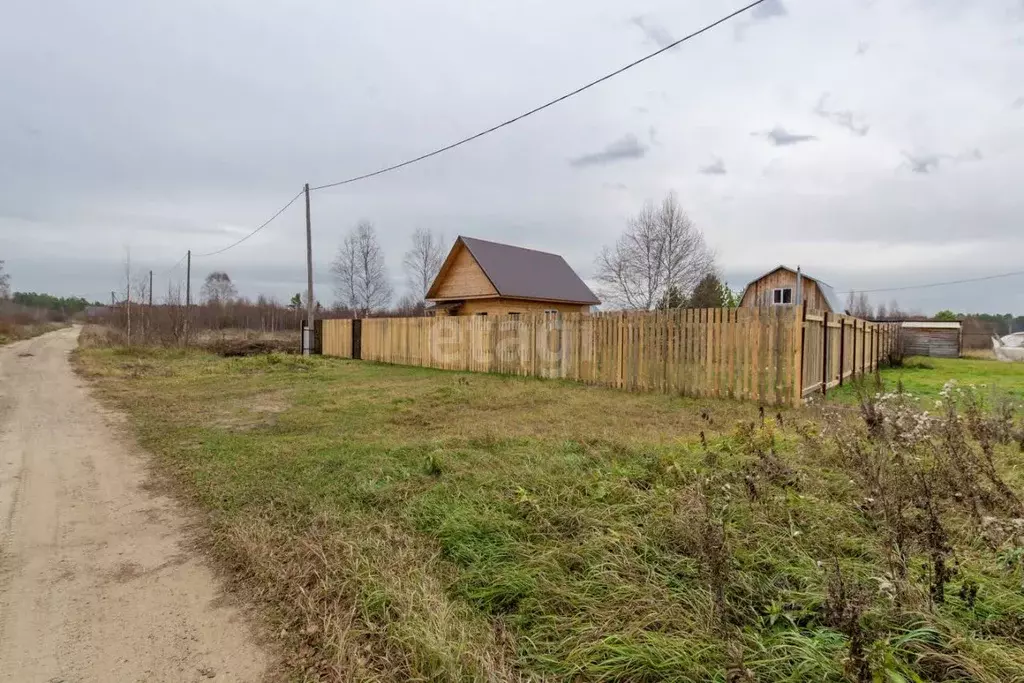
x: 708, y: 293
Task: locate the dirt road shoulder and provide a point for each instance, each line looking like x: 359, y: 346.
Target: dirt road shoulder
x: 97, y: 578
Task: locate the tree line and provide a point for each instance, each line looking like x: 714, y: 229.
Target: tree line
x: 64, y: 305
x: 26, y: 307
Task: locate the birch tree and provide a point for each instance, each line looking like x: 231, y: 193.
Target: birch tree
x: 360, y: 275
x: 218, y: 288
x: 5, y: 283
x: 661, y: 250
x: 423, y: 261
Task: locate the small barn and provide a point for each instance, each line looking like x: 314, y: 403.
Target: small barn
x: 488, y: 278
x: 930, y: 338
x: 783, y: 286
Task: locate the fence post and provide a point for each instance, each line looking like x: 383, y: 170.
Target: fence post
x: 825, y: 348
x: 842, y: 347
x: 853, y: 356
x: 874, y: 346
x: 357, y: 338
x: 799, y: 318
x: 864, y: 349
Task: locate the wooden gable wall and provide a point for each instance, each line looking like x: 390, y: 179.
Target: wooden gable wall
x: 463, y: 278
x: 759, y: 293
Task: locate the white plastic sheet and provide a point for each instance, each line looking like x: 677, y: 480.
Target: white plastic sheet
x: 1014, y: 340
x: 1010, y: 348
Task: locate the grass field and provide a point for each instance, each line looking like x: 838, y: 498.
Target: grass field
x: 925, y: 377
x: 10, y: 332
x: 409, y: 524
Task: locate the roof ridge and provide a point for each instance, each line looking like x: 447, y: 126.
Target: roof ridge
x: 511, y: 246
x: 783, y: 266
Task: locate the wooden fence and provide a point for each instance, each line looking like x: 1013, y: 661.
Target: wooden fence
x: 335, y: 337
x: 839, y: 347
x: 776, y: 355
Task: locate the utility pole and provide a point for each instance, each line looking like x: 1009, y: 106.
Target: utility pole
x: 188, y: 294
x: 151, y: 290
x: 149, y: 311
x: 307, y: 335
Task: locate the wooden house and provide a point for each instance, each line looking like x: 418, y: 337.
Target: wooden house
x: 784, y: 286
x: 480, y: 278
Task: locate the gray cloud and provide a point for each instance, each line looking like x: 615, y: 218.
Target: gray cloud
x: 717, y: 167
x: 1018, y: 103
x: 763, y: 12
x: 923, y: 163
x: 625, y: 148
x: 655, y: 33
x: 769, y: 9
x: 842, y: 117
x: 198, y: 157
x: 928, y: 162
x: 780, y: 137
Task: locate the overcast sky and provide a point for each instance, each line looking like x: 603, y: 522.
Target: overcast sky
x: 875, y: 143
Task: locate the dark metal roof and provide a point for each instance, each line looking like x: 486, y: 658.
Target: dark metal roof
x: 529, y: 274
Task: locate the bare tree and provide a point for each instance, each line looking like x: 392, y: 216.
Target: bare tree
x: 142, y: 315
x: 661, y: 250
x: 218, y: 288
x: 5, y: 283
x: 423, y: 260
x: 128, y: 293
x: 409, y: 306
x: 174, y: 312
x: 361, y: 278
x: 895, y: 312
x: 858, y: 305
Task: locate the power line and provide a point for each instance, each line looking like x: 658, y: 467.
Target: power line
x: 935, y: 284
x: 172, y: 268
x: 542, y: 107
x: 265, y: 224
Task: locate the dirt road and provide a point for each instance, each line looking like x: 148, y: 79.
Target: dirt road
x: 96, y: 580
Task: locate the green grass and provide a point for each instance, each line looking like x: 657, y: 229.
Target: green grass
x: 925, y: 377
x: 411, y: 524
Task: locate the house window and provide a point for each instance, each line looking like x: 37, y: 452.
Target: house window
x: 482, y: 313
x: 514, y: 315
x: 551, y: 313
x: 782, y: 295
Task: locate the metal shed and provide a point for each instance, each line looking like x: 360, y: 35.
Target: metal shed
x: 928, y: 338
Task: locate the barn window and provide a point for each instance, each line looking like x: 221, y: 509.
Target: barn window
x: 514, y: 316
x: 482, y: 313
x: 782, y: 295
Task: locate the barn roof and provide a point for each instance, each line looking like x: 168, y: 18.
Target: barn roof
x: 525, y: 273
x: 826, y: 289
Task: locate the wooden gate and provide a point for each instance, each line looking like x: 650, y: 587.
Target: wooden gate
x: 357, y: 339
